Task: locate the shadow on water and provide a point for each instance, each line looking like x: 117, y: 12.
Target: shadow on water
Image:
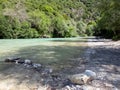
x: 60, y: 56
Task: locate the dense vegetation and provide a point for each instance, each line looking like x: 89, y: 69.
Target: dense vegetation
x: 59, y: 18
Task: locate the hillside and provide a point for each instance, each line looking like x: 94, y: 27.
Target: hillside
x: 59, y: 18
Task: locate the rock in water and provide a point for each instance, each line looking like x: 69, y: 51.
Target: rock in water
x: 11, y: 59
x: 79, y: 79
x: 27, y: 61
x: 19, y: 61
x: 36, y: 65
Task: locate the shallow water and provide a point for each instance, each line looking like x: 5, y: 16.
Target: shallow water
x: 55, y: 52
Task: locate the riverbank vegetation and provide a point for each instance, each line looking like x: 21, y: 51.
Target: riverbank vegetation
x: 59, y: 18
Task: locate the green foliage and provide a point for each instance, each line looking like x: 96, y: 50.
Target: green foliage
x: 91, y: 28
x: 81, y: 26
x: 28, y: 33
x: 64, y: 28
x: 41, y: 22
x: 59, y: 18
x: 109, y: 24
x: 60, y: 27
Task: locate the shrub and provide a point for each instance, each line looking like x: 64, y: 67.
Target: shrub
x: 28, y: 33
x: 91, y: 28
x: 59, y: 26
x: 41, y: 22
x: 81, y: 27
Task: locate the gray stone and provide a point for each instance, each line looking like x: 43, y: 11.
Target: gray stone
x: 36, y: 65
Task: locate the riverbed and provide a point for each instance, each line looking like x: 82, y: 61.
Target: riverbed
x: 64, y: 56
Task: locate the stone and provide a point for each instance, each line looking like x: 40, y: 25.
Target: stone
x: 90, y: 74
x: 11, y: 59
x: 73, y: 87
x: 27, y: 61
x: 19, y: 61
x: 47, y: 71
x: 90, y: 87
x: 36, y: 65
x: 84, y: 78
x: 79, y: 79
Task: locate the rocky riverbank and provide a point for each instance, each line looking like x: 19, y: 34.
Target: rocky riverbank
x: 104, y: 58
x: 101, y: 57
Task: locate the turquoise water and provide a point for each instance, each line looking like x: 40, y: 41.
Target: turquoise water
x: 50, y: 51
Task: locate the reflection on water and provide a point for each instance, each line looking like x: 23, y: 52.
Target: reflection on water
x: 53, y: 52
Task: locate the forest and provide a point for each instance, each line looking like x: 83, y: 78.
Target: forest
x: 59, y: 18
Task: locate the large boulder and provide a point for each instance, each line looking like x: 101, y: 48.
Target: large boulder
x: 79, y: 79
x: 83, y: 78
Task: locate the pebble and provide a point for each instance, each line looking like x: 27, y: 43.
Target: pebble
x: 27, y: 61
x: 36, y: 65
x: 47, y: 71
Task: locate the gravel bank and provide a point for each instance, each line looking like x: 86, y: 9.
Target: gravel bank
x: 103, y: 57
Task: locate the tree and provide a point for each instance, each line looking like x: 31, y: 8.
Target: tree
x: 109, y: 24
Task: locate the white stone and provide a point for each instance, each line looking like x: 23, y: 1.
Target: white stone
x: 27, y: 61
x: 90, y: 73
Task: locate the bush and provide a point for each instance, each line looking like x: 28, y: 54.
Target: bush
x: 91, y: 28
x: 116, y: 37
x: 28, y: 33
x: 64, y: 28
x: 59, y: 26
x: 41, y: 22
x: 71, y: 28
x: 81, y: 26
x: 5, y: 28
